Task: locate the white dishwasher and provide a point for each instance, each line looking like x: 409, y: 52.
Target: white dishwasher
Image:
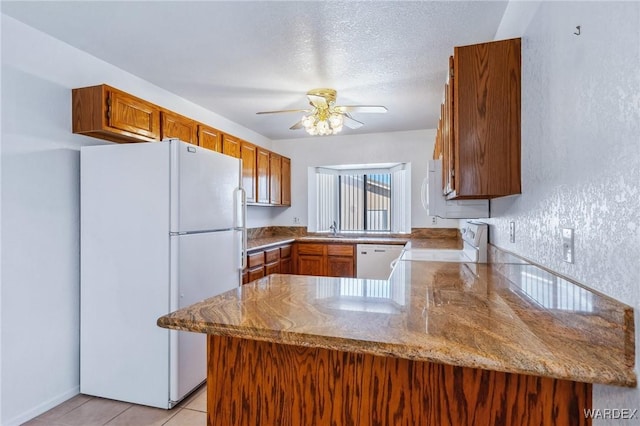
x: 374, y: 260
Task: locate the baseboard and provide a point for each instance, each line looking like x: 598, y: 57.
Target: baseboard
x: 42, y: 408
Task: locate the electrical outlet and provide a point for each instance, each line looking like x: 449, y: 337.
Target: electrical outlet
x: 567, y: 245
x: 434, y: 220
x: 296, y: 220
x: 512, y: 232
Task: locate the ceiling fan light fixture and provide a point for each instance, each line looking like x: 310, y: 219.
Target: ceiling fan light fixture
x: 325, y: 117
x: 336, y: 120
x: 321, y: 125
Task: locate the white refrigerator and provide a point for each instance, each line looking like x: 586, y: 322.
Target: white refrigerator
x: 162, y: 227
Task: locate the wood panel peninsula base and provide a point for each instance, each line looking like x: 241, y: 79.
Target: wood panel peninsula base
x: 253, y: 382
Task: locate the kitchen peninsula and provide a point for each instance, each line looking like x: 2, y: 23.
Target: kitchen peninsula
x: 436, y: 344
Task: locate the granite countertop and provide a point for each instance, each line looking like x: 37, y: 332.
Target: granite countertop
x: 266, y: 242
x: 504, y: 317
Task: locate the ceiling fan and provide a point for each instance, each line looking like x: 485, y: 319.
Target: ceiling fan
x: 325, y: 117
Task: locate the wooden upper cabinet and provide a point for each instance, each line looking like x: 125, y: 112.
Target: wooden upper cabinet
x: 231, y: 145
x: 262, y: 161
x: 448, y: 133
x: 108, y: 113
x: 484, y: 121
x: 285, y: 183
x: 177, y: 126
x: 249, y: 165
x: 209, y: 138
x: 275, y: 178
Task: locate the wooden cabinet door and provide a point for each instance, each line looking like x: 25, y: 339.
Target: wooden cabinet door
x: 230, y: 145
x: 285, y: 182
x: 340, y: 260
x: 272, y: 268
x: 286, y: 266
x: 310, y: 264
x: 286, y: 260
x: 263, y: 175
x: 486, y: 120
x: 275, y: 178
x: 448, y: 134
x: 255, y: 259
x: 209, y: 138
x: 340, y: 266
x: 176, y: 126
x: 256, y: 273
x: 133, y: 115
x: 249, y: 164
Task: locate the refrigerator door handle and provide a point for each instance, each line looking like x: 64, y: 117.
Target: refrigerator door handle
x: 243, y: 226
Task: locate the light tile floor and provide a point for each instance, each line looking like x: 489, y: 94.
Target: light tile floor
x: 83, y: 410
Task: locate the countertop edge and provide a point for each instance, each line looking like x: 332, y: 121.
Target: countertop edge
x: 277, y: 241
x: 615, y: 377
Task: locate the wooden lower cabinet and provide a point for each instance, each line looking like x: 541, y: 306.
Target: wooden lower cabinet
x: 310, y: 264
x: 286, y: 260
x: 254, y: 274
x: 272, y: 261
x: 340, y: 266
x: 255, y: 266
x: 261, y: 263
x: 332, y: 260
x: 286, y: 266
x: 265, y: 383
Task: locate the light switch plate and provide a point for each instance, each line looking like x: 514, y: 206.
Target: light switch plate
x: 567, y: 245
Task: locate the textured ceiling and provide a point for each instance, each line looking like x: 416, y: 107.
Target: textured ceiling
x: 236, y: 58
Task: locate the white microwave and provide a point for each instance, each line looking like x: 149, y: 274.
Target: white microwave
x: 436, y: 203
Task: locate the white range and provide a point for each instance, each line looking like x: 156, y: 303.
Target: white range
x: 474, y: 238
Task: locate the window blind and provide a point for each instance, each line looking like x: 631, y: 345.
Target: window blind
x: 363, y: 200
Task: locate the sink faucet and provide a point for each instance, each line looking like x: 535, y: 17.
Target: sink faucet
x: 334, y: 228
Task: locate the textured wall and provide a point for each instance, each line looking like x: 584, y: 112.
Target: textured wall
x: 581, y: 153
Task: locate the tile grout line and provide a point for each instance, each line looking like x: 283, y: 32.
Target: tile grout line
x: 174, y: 414
x: 39, y: 418
x: 117, y: 415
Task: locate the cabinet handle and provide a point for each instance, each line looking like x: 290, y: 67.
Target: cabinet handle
x: 108, y: 108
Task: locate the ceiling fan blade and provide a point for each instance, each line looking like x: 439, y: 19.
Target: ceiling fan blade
x: 352, y: 123
x: 297, y: 126
x: 318, y: 101
x: 283, y: 110
x: 361, y: 108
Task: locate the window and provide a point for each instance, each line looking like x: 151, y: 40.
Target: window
x: 369, y: 198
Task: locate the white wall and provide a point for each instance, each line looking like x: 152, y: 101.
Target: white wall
x: 415, y: 147
x: 40, y: 211
x: 580, y: 152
